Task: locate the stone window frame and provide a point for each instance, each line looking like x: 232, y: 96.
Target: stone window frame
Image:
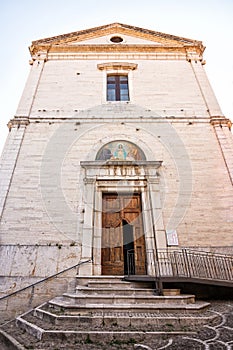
x: 117, y: 68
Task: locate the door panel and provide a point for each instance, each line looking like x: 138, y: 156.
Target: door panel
x: 121, y: 219
x: 112, y: 251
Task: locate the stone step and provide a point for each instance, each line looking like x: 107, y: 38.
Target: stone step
x: 139, y: 321
x: 119, y: 284
x: 112, y: 290
x: 111, y: 282
x: 83, y: 280
x: 109, y: 309
x: 108, y: 323
x: 70, y: 307
x: 112, y: 299
x: 94, y: 335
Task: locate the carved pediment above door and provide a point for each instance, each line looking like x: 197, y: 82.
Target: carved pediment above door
x: 114, y: 170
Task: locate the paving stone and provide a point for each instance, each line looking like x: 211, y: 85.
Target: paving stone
x: 141, y: 347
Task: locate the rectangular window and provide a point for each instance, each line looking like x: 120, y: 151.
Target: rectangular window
x: 117, y: 88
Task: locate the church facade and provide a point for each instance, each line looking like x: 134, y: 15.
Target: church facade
x: 118, y: 149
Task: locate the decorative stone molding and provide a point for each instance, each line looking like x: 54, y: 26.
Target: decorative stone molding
x: 100, y: 163
x: 120, y: 170
x: 110, y: 49
x: 72, y: 42
x: 117, y: 65
x: 133, y: 55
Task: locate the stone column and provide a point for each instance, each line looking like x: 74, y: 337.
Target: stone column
x: 87, y: 234
x: 148, y: 231
x: 156, y: 209
x: 97, y: 267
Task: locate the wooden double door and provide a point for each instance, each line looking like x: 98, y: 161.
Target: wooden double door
x: 123, y: 240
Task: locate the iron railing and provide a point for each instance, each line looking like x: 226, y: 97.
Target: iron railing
x: 196, y: 264
x: 187, y: 263
x: 130, y: 262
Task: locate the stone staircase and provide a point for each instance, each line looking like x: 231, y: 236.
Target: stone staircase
x: 106, y: 308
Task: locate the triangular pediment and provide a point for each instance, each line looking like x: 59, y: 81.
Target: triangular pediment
x: 106, y: 40
x: 103, y: 35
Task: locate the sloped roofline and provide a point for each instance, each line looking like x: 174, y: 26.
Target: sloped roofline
x: 73, y: 35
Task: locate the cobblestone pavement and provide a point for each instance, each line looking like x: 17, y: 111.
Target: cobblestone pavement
x: 217, y: 335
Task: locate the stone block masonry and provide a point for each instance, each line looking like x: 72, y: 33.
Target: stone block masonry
x: 50, y: 204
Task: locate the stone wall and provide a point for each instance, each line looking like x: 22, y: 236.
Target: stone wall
x: 46, y: 195
x: 18, y: 303
x: 25, y: 265
x: 171, y: 87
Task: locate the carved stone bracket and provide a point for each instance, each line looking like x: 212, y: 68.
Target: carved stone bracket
x: 88, y: 180
x: 18, y: 122
x: 220, y: 121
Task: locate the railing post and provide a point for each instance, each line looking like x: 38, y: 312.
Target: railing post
x: 186, y: 262
x: 174, y: 266
x: 159, y: 283
x: 130, y: 262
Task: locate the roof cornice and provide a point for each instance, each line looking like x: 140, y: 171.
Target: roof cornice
x: 62, y: 43
x: 113, y: 49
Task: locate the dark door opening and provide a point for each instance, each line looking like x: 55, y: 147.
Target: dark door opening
x: 128, y: 248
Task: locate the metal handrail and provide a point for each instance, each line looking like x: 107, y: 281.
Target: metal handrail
x: 44, y: 279
x: 196, y: 264
x: 130, y: 262
x: 188, y: 263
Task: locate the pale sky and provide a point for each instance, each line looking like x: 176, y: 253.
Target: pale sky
x: 22, y: 21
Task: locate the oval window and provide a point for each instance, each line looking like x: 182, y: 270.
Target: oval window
x: 116, y: 39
